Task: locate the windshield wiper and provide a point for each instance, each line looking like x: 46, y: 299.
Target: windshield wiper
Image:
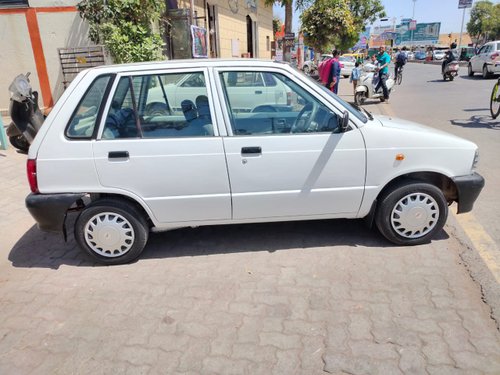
x: 370, y: 116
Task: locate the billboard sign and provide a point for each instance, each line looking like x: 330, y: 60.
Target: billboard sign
x: 462, y: 4
x: 424, y: 33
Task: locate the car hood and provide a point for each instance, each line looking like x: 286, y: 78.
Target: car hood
x: 400, y: 124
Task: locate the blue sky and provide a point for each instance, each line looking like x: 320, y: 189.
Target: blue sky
x: 444, y: 11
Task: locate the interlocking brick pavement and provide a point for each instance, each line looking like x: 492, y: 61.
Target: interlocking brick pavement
x: 285, y: 298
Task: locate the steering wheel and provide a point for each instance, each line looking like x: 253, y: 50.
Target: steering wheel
x: 305, y: 118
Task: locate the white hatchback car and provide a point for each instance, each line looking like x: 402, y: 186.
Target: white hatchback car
x: 486, y: 61
x: 128, y: 171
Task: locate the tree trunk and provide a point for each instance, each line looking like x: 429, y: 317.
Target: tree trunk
x: 288, y: 28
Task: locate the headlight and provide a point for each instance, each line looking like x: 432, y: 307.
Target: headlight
x: 476, y: 160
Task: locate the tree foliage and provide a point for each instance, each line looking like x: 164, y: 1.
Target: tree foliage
x: 125, y: 27
x: 328, y: 23
x: 484, y: 21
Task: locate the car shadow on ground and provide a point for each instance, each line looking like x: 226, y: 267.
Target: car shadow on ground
x: 46, y: 250
x: 478, y: 121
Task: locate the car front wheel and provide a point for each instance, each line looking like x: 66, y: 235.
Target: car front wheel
x: 111, y: 231
x: 411, y: 213
x: 486, y: 74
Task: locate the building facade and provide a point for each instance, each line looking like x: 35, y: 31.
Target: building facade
x: 33, y: 30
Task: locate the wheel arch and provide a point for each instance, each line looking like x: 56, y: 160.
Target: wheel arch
x: 441, y: 181
x: 94, y: 197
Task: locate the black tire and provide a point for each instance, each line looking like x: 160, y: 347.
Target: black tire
x: 452, y: 78
x: 123, y: 220
x: 495, y: 101
x: 470, y: 73
x: 399, y: 78
x: 306, y: 70
x: 485, y: 72
x: 20, y: 142
x: 359, y: 98
x: 444, y: 77
x: 426, y: 213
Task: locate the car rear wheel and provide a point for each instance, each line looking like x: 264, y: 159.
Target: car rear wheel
x: 470, y: 72
x: 111, y: 231
x: 306, y: 69
x: 411, y: 213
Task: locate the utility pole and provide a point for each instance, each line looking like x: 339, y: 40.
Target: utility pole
x: 461, y: 31
x: 413, y: 18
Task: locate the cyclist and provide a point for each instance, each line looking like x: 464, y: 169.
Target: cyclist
x: 401, y: 59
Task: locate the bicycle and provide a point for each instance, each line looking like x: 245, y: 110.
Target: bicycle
x: 399, y: 77
x: 495, y: 100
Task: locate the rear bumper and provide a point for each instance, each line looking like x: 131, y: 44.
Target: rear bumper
x: 468, y: 188
x: 49, y: 210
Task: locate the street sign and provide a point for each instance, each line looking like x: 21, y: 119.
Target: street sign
x: 406, y: 20
x: 289, y: 36
x: 462, y: 4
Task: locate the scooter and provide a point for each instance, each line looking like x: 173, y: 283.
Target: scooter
x: 450, y: 70
x: 367, y: 84
x: 27, y: 119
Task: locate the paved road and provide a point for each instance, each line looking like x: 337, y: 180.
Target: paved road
x: 286, y: 298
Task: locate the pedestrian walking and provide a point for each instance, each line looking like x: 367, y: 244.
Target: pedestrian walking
x: 334, y: 76
x: 355, y: 75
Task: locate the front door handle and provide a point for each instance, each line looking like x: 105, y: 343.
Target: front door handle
x: 258, y: 91
x: 118, y: 155
x: 251, y: 150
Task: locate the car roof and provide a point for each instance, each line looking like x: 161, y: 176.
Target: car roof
x: 186, y: 63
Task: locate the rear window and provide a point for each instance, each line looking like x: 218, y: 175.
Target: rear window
x: 84, y: 118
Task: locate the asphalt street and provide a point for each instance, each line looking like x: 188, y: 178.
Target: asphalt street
x: 312, y: 297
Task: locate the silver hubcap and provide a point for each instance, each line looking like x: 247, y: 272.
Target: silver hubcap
x: 109, y: 234
x: 415, y: 215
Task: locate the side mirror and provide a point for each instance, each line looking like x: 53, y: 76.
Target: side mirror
x: 343, y: 122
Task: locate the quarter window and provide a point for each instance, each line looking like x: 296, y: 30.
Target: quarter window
x: 84, y: 118
x: 159, y: 106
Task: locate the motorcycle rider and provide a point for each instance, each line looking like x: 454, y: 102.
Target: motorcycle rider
x: 448, y: 58
x: 384, y: 60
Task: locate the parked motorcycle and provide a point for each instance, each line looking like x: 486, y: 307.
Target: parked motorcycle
x: 367, y: 84
x: 450, y: 70
x: 25, y: 113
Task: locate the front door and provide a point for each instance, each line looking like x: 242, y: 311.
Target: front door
x: 292, y: 161
x: 170, y: 158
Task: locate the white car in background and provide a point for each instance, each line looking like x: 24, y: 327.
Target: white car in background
x: 486, y: 61
x: 348, y: 63
x: 438, y: 54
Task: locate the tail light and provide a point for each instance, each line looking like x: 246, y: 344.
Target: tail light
x: 494, y: 55
x: 31, y: 170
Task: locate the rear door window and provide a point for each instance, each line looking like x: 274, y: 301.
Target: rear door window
x: 159, y: 106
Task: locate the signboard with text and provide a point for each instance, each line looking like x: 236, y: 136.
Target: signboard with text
x: 424, y: 33
x: 464, y: 4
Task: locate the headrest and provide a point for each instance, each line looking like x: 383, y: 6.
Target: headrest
x: 189, y: 110
x: 202, y: 104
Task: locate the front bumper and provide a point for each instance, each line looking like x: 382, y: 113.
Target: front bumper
x: 49, y: 210
x: 468, y: 188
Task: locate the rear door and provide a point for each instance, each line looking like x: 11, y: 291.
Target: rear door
x: 173, y: 161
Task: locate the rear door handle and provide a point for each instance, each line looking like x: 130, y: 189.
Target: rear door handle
x: 258, y: 91
x: 251, y: 150
x: 118, y: 155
